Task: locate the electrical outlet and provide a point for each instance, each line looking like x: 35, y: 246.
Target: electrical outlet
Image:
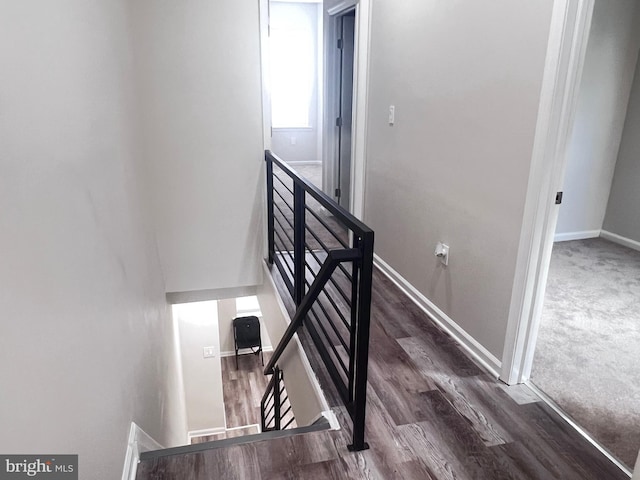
x: 209, y: 352
x: 442, y: 252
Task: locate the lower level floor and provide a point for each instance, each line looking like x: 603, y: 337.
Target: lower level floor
x: 432, y: 414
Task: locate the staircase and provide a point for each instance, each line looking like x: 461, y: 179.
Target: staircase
x: 324, y: 256
x: 320, y: 425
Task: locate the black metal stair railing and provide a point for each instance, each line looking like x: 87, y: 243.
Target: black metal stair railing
x: 275, y: 407
x: 325, y: 257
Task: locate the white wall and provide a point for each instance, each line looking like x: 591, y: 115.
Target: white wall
x: 296, y: 145
x: 636, y: 470
x: 200, y: 94
x: 622, y: 210
x: 86, y: 339
x: 226, y: 314
x: 602, y: 105
x: 198, y: 325
x: 465, y: 78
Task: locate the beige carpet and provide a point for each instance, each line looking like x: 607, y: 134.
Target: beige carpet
x: 588, y: 351
x: 312, y: 172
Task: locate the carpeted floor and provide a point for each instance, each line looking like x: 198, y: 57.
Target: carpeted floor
x: 589, y: 342
x: 312, y: 172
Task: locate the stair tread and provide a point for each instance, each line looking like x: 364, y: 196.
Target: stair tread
x: 321, y: 425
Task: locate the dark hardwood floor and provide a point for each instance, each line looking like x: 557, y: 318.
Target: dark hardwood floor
x: 243, y: 389
x: 432, y: 414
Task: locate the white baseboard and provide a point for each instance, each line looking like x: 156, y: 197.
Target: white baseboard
x: 251, y: 425
x: 620, y: 240
x: 206, y: 432
x: 470, y: 345
x: 139, y: 441
x: 243, y: 351
x: 302, y: 163
x: 565, y: 237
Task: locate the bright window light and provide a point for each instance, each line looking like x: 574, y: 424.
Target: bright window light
x: 293, y: 57
x: 246, y: 306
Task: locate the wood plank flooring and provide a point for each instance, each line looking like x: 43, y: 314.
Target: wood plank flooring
x: 432, y: 414
x: 243, y: 389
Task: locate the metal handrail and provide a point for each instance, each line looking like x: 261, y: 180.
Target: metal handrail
x: 360, y: 254
x: 330, y: 264
x: 323, y: 199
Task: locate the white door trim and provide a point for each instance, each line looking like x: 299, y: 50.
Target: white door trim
x: 263, y: 6
x: 570, y: 25
x: 266, y: 73
x: 360, y: 108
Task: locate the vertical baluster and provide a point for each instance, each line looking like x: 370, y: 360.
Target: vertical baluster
x: 298, y: 241
x: 276, y: 396
x: 354, y: 319
x: 270, y: 225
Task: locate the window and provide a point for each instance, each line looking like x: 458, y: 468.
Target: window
x: 293, y: 60
x: 247, y: 306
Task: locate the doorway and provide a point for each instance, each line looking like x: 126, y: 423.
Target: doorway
x: 344, y: 121
x: 339, y: 141
x: 565, y: 118
x: 321, y: 167
x: 586, y: 352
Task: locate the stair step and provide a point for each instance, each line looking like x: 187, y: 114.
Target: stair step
x: 320, y: 425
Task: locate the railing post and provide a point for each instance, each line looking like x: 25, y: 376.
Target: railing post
x: 328, y: 267
x: 355, y: 275
x: 298, y: 242
x: 362, y: 343
x: 276, y: 397
x: 270, y: 225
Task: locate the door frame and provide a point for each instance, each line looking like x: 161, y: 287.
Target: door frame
x: 265, y: 74
x: 360, y: 94
x: 568, y: 37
